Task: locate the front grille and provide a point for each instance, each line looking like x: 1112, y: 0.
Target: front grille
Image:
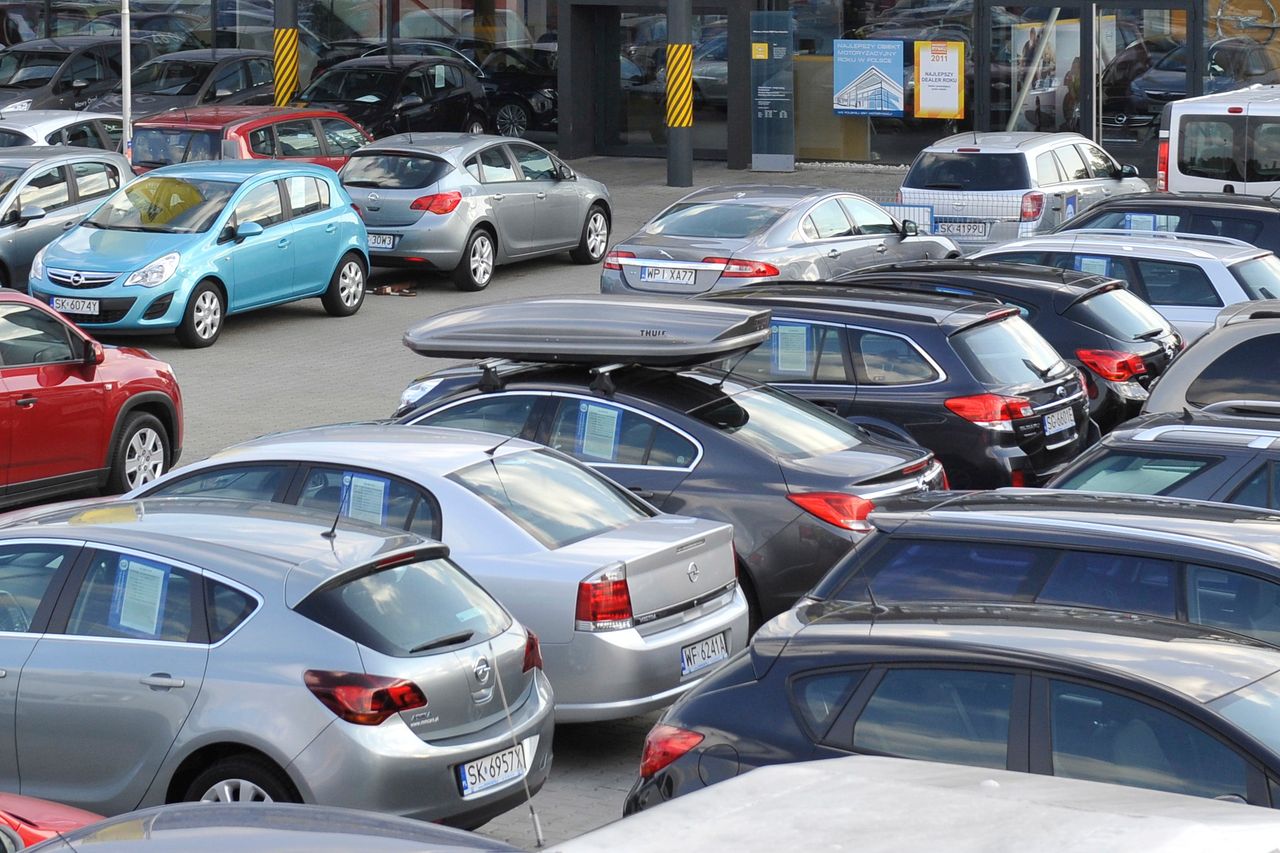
x: 109, y: 311
x: 81, y: 280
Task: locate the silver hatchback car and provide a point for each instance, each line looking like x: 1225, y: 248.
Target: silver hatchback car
x: 166, y: 650
x: 461, y: 204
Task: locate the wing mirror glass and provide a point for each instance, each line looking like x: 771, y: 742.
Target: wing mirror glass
x: 245, y: 230
x: 909, y: 228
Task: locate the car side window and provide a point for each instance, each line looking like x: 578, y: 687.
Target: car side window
x: 252, y: 482
x: 1019, y: 257
x: 1244, y: 372
x: 263, y: 141
x: 1207, y: 146
x: 798, y: 352
x: 1169, y: 283
x: 502, y: 414
x: 1099, y: 161
x: 95, y: 179
x: 453, y: 77
x: 1071, y: 162
x: 82, y: 135
x: 1235, y: 601
x: 1102, y: 736
x: 261, y: 72
x: 298, y: 139
x: 47, y: 190
x: 880, y: 359
x: 1225, y: 226
x: 1113, y: 582
x: 87, y: 66
x: 473, y: 168
x: 230, y: 80
x: 927, y: 570
x: 30, y: 336
x: 415, y: 83
x: 305, y: 194
x: 26, y: 570
x: 1104, y: 265
x: 534, y: 164
x: 225, y: 608
x: 495, y: 167
x: 1262, y: 489
x: 369, y: 496
x: 829, y: 220
x: 261, y: 205
x: 605, y: 434
x: 341, y: 137
x: 1047, y: 170
x: 952, y: 716
x: 819, y: 697
x: 868, y: 217
x: 127, y: 596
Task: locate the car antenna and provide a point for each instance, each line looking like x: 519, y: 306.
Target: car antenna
x: 1187, y: 417
x: 732, y: 368
x: 876, y: 607
x: 332, y: 532
x: 539, y: 841
x: 498, y: 446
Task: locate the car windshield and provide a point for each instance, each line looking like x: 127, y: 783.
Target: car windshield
x: 733, y: 221
x: 1256, y: 709
x: 361, y: 85
x: 1008, y: 352
x: 170, y: 77
x: 164, y: 204
x: 1259, y: 277
x: 162, y: 146
x: 971, y: 172
x: 393, y: 171
x: 777, y: 423
x: 1119, y: 314
x: 29, y: 69
x: 555, y: 500
x: 8, y: 176
x: 1134, y: 473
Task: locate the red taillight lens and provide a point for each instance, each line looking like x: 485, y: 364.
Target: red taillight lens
x: 1032, y: 206
x: 1162, y: 166
x: 946, y: 484
x: 992, y: 411
x: 847, y: 511
x: 1017, y: 479
x: 604, y: 602
x: 613, y: 260
x: 735, y: 268
x: 1113, y: 365
x: 437, y: 203
x: 363, y: 699
x: 532, y: 651
x: 663, y: 745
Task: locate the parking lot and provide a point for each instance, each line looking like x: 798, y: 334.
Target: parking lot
x: 294, y: 366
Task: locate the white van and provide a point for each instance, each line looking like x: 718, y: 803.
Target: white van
x: 1227, y: 142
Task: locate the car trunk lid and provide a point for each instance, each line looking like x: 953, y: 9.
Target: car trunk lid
x: 386, y: 185
x: 675, y: 264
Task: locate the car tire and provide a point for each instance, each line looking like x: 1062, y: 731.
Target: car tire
x: 141, y: 453
x: 475, y: 270
x: 512, y: 119
x: 476, y: 125
x: 203, y: 319
x: 241, y: 779
x: 595, y: 237
x: 345, y: 293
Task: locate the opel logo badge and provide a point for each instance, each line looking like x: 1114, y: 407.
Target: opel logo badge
x: 1062, y: 391
x: 374, y: 196
x: 1121, y: 118
x: 693, y: 572
x: 77, y: 279
x: 482, y: 670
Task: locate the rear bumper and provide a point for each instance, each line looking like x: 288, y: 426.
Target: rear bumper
x: 433, y: 242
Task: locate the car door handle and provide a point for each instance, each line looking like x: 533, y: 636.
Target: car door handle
x: 542, y: 195
x: 66, y: 226
x: 640, y: 493
x: 497, y: 196
x: 330, y: 228
x: 283, y: 243
x: 882, y: 248
x: 833, y: 253
x: 27, y: 402
x: 3, y: 673
x: 162, y: 681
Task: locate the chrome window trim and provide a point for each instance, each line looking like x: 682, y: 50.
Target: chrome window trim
x: 1262, y: 439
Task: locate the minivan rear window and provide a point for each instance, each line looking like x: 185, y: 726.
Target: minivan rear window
x: 393, y: 171
x: 733, y: 221
x: 972, y: 172
x: 1207, y: 148
x: 1007, y: 352
x: 1119, y: 314
x: 1259, y: 277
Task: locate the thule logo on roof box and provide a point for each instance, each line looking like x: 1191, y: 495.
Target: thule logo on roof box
x: 653, y: 333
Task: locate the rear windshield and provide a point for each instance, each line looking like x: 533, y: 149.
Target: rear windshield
x: 162, y: 146
x: 1119, y: 314
x: 779, y: 424
x: 1008, y: 352
x: 1135, y: 473
x: 170, y: 77
x: 393, y: 171
x: 555, y: 500
x: 398, y: 610
x: 1259, y: 277
x: 712, y: 219
x: 12, y: 139
x: 970, y: 172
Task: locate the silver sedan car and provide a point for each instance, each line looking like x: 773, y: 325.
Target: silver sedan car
x: 633, y: 607
x: 726, y: 237
x: 462, y: 204
x: 166, y: 650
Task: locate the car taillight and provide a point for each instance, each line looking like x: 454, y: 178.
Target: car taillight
x: 613, y: 260
x: 946, y: 483
x: 1017, y: 479
x: 663, y: 745
x: 1032, y: 206
x: 735, y: 268
x: 1113, y: 365
x: 437, y: 202
x: 847, y: 511
x: 1162, y: 167
x: 532, y: 651
x: 992, y: 411
x: 604, y: 601
x: 363, y: 699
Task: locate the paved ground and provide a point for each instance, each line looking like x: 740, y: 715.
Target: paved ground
x: 294, y: 366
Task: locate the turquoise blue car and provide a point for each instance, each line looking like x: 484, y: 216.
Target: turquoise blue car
x: 182, y: 247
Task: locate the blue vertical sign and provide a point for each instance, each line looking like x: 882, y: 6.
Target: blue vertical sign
x: 868, y: 78
x: 773, y: 128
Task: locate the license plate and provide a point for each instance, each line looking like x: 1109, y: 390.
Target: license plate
x: 961, y: 229
x: 1063, y: 419
x: 668, y: 275
x: 382, y: 241
x: 74, y: 306
x: 492, y: 770
x: 703, y: 653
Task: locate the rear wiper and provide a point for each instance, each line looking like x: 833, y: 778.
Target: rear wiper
x: 441, y: 642
x: 1042, y: 372
x: 943, y: 186
x: 360, y: 183
x: 1149, y: 335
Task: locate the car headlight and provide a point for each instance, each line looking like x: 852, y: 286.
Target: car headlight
x: 155, y: 273
x: 37, y: 264
x: 16, y: 105
x: 415, y: 392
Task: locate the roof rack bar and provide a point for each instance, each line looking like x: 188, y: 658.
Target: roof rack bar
x: 1079, y: 233
x: 1261, y: 407
x: 490, y: 381
x: 601, y: 381
x: 1258, y: 435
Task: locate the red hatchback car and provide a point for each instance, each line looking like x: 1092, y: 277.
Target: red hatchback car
x: 245, y: 133
x: 25, y: 821
x: 75, y: 415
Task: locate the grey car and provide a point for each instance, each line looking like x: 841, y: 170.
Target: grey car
x: 44, y: 191
x: 726, y: 237
x: 538, y: 530
x: 460, y: 204
x: 63, y: 73
x: 167, y: 650
x: 61, y: 127
x: 190, y: 78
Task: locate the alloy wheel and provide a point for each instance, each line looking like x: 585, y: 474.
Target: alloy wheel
x: 351, y: 284
x: 143, y: 458
x: 512, y: 120
x: 597, y: 234
x: 207, y: 314
x: 235, y: 791
x: 481, y: 260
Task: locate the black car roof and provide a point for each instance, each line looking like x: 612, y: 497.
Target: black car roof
x: 1030, y: 279
x: 948, y: 312
x: 67, y: 43
x: 209, y: 54
x: 395, y: 62
x: 1195, y: 199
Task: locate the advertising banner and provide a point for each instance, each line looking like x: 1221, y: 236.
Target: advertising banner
x: 939, y: 79
x: 868, y: 78
x: 773, y: 128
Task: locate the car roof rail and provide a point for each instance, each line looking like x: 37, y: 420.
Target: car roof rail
x: 1260, y: 439
x: 1261, y: 309
x: 1080, y: 233
x: 1264, y: 408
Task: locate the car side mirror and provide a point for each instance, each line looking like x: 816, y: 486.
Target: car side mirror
x: 223, y: 93
x: 564, y: 173
x: 79, y: 83
x: 1128, y: 171
x: 94, y: 353
x: 30, y: 212
x: 245, y: 230
x: 408, y: 102
x: 909, y: 228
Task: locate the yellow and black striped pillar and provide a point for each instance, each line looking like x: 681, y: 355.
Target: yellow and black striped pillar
x: 679, y: 85
x: 286, y: 55
x: 680, y: 93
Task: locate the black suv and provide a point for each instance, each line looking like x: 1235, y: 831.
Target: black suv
x: 1188, y: 455
x: 970, y: 380
x: 1190, y: 561
x: 1120, y: 343
x: 1253, y: 219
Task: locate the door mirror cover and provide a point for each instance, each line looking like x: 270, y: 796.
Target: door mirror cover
x: 94, y: 352
x: 223, y: 93
x: 909, y: 228
x: 79, y: 83
x: 245, y: 230
x: 30, y: 212
x: 408, y: 102
x: 1128, y: 170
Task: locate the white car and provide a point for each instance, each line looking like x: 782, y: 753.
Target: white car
x: 1188, y: 278
x: 61, y: 127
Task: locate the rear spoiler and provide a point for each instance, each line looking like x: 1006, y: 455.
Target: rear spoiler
x: 1113, y: 284
x: 992, y: 317
x: 383, y: 562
